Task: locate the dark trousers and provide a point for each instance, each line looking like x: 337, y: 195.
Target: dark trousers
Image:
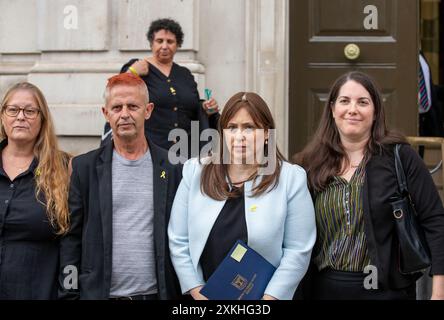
x: 339, y: 285
x: 138, y: 297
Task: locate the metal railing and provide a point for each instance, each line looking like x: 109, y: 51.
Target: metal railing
x: 431, y: 143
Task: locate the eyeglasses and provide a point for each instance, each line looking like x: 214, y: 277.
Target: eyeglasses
x: 13, y: 111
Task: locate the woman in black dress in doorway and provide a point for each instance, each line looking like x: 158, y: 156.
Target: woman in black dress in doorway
x: 171, y: 87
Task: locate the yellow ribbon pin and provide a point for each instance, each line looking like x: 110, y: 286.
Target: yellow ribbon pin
x: 163, y: 175
x: 253, y: 208
x: 173, y: 91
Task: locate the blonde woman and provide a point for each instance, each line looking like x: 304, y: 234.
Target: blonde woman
x: 33, y: 196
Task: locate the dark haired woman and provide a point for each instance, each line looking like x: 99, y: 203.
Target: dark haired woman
x: 171, y: 87
x: 351, y: 173
x: 239, y: 193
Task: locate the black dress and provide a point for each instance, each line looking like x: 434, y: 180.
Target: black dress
x: 176, y: 104
x: 29, y: 248
x: 229, y: 227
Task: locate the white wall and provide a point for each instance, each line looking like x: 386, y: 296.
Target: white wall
x: 222, y: 50
x: 230, y: 46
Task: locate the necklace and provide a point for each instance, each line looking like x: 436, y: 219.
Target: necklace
x: 354, y: 166
x: 243, y: 181
x: 21, y: 168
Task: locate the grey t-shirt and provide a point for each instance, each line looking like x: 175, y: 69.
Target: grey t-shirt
x: 133, y: 258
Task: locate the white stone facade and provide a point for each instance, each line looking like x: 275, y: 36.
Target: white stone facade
x: 68, y: 48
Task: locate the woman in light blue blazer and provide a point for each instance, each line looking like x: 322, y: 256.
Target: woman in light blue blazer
x: 245, y: 190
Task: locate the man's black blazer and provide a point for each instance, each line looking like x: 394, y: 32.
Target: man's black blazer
x: 88, y: 245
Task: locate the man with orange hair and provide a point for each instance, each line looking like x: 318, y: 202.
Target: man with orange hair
x: 120, y: 201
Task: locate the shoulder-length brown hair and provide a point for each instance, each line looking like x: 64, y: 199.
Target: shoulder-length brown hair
x: 51, y: 174
x: 323, y: 156
x: 214, y: 174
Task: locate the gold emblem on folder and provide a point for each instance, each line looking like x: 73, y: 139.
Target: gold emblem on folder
x: 239, y: 253
x: 239, y: 282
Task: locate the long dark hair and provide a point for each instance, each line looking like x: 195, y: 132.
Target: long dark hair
x: 213, y: 180
x: 323, y: 156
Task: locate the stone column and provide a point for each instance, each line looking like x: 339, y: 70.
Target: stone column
x: 267, y: 60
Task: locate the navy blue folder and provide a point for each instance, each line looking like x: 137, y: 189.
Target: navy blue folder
x: 242, y: 275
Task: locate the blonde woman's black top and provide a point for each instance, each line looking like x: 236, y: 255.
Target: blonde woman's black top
x: 29, y: 248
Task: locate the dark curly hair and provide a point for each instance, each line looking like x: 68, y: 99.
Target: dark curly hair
x: 168, y: 25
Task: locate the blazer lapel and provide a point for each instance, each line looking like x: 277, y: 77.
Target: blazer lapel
x: 104, y: 173
x: 160, y: 196
x: 204, y: 214
x: 368, y: 222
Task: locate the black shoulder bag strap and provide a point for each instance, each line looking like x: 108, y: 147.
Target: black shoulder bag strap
x: 414, y: 255
x: 402, y: 181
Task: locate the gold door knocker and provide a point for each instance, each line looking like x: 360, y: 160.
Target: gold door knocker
x: 352, y: 51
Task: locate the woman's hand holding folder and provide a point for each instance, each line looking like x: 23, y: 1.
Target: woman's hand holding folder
x: 195, y: 293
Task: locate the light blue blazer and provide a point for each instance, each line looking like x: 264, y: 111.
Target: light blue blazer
x: 280, y: 224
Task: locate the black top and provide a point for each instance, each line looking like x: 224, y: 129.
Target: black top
x: 176, y: 104
x: 229, y: 227
x: 29, y: 248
